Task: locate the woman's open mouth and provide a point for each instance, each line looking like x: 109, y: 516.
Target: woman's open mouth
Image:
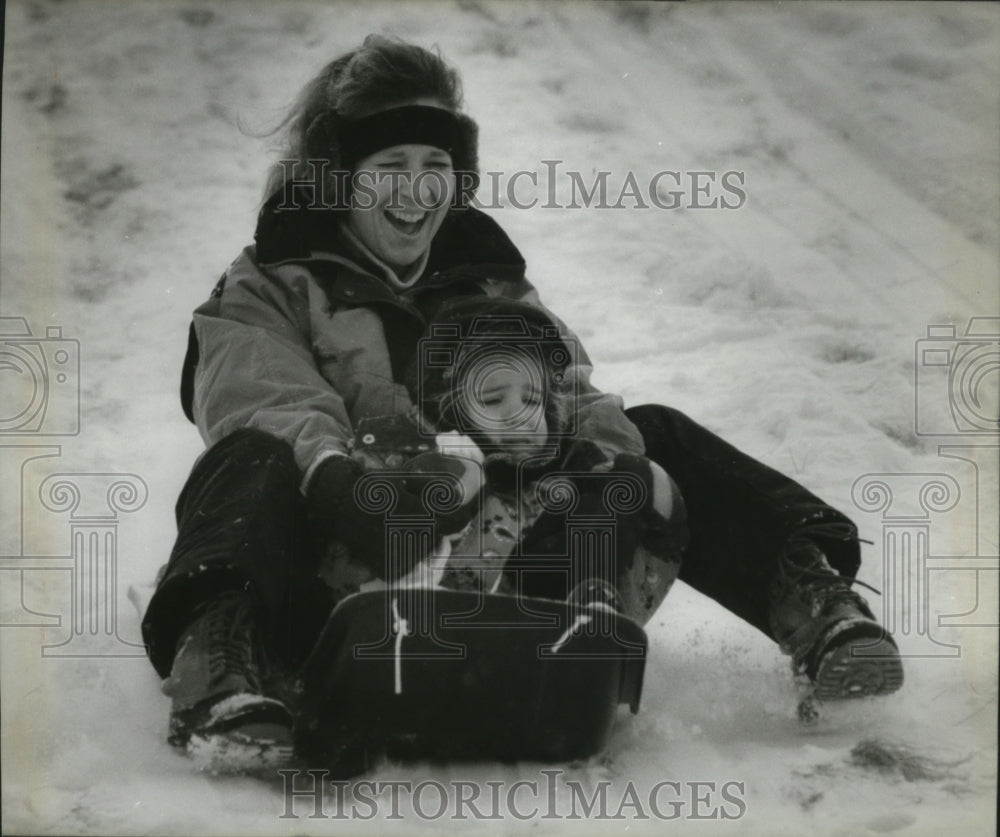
x: 406, y: 221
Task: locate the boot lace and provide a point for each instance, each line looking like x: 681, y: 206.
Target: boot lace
x: 230, y: 634
x: 815, y: 580
x: 823, y: 592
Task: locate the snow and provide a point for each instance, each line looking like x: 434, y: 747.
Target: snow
x: 794, y: 326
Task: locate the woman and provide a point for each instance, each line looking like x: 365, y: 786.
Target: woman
x: 310, y: 331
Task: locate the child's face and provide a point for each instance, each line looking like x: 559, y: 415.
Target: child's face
x: 507, y: 405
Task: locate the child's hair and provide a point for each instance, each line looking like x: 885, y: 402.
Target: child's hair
x: 383, y: 72
x: 466, y: 336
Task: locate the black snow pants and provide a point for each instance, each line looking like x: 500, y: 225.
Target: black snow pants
x: 242, y: 525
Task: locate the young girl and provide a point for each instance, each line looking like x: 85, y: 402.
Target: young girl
x: 496, y: 386
x: 501, y: 374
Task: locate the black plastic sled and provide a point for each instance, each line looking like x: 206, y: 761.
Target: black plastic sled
x: 447, y: 675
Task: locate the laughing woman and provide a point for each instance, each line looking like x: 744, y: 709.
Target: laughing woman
x: 361, y: 239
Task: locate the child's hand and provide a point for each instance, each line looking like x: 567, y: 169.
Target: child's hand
x: 660, y: 489
x: 456, y: 444
x: 663, y: 491
x: 665, y: 517
x: 457, y: 447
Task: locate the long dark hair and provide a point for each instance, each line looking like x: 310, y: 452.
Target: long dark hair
x: 379, y: 74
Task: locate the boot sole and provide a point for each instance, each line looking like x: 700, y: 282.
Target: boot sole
x: 859, y: 668
x: 254, y: 735
x: 255, y: 749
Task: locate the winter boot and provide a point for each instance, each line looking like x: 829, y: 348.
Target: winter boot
x: 829, y: 630
x: 220, y: 715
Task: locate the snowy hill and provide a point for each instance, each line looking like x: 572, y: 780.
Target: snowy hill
x: 862, y: 146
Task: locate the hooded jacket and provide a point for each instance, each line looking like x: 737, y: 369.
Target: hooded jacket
x: 468, y: 335
x: 303, y: 337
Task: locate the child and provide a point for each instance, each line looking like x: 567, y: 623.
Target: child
x: 494, y: 385
x: 496, y: 377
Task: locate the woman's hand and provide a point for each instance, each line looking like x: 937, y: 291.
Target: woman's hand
x: 456, y: 457
x: 352, y: 506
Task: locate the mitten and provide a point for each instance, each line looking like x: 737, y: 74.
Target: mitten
x: 348, y: 505
x: 663, y: 517
x: 458, y: 481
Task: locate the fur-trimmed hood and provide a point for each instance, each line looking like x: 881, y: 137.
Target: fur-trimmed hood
x: 469, y: 332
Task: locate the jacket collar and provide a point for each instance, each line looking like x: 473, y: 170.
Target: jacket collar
x: 388, y: 275
x: 346, y: 281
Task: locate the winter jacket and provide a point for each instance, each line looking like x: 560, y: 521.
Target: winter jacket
x: 302, y: 337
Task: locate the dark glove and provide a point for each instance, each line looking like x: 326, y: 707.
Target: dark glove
x: 582, y: 455
x: 351, y: 506
x: 663, y: 516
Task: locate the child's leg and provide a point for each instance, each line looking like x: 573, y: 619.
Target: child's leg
x: 624, y: 528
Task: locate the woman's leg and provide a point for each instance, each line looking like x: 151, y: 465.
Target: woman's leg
x: 776, y: 555
x: 241, y: 527
x: 238, y: 606
x: 742, y: 515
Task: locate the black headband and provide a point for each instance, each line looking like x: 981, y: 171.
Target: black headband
x: 409, y: 124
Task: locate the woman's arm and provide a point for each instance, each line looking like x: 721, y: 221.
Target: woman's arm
x: 256, y: 367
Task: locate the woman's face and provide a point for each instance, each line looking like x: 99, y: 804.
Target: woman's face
x: 401, y: 195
